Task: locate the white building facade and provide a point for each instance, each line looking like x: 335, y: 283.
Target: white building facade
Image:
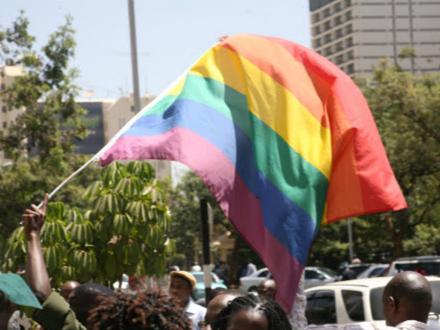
x: 356, y: 34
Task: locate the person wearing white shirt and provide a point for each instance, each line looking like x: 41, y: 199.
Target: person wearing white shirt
x: 406, y: 300
x: 182, y: 286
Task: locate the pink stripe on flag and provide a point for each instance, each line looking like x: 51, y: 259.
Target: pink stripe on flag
x: 238, y: 203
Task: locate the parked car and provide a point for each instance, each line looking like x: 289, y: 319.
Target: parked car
x: 318, y: 276
x: 250, y: 283
x: 355, y: 301
x: 313, y: 276
x: 199, y: 291
x: 431, y: 265
x: 357, y: 268
x: 373, y: 271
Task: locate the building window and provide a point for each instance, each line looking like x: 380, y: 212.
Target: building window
x: 327, y: 51
x: 338, y: 33
x: 4, y: 109
x: 315, y: 18
x: 347, y: 3
x: 5, y: 124
x: 350, y: 56
x: 328, y: 38
x: 339, y: 46
x: 317, y: 43
x: 349, y: 42
x: 348, y: 29
x: 350, y: 68
x: 338, y: 20
x: 316, y: 30
x: 327, y: 13
x: 337, y: 8
x: 339, y: 59
x: 3, y: 87
x: 327, y: 25
x: 348, y: 15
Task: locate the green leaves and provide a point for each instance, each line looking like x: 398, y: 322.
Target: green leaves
x: 125, y: 230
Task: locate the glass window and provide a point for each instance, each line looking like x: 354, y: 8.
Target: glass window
x: 316, y: 18
x: 376, y: 303
x: 311, y: 275
x: 263, y: 273
x: 354, y: 304
x: 321, y: 308
x: 327, y: 271
x: 4, y: 109
x: 5, y: 124
x: 435, y: 287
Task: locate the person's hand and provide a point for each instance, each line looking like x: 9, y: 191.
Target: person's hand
x: 33, y: 218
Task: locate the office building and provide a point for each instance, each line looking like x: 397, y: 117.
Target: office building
x: 356, y: 34
x: 105, y: 118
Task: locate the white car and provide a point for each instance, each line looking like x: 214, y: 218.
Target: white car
x: 431, y: 265
x: 373, y: 271
x: 355, y: 301
x: 250, y: 283
x: 313, y: 276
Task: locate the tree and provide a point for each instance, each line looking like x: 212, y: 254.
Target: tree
x: 52, y: 120
x: 406, y: 110
x: 125, y: 230
x: 41, y: 140
x: 184, y: 202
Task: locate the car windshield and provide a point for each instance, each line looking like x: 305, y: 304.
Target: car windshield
x: 431, y: 268
x: 199, y: 278
x: 376, y: 301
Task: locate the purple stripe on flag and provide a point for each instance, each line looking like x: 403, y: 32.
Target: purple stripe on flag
x: 224, y: 182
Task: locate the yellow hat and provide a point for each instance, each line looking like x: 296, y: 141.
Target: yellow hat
x: 188, y: 276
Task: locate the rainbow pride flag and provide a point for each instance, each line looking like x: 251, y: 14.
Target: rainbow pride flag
x: 284, y: 140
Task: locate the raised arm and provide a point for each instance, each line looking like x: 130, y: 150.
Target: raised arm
x: 36, y: 272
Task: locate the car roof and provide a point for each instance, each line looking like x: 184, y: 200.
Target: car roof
x: 420, y: 258
x: 374, y: 282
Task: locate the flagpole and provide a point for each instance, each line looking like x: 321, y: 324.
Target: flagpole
x: 134, y: 61
x: 122, y: 130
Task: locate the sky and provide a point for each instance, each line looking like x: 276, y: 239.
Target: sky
x: 171, y: 34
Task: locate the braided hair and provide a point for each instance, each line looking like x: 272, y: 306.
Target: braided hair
x: 276, y: 317
x: 150, y: 310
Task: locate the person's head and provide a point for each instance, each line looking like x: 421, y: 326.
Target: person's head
x: 252, y: 313
x: 67, y: 288
x: 406, y: 297
x: 216, y: 292
x: 148, y: 310
x: 266, y: 288
x: 182, y: 285
x: 85, y: 297
x: 217, y: 303
x: 135, y: 284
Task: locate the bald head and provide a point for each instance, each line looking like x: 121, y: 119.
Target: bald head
x: 217, y: 304
x: 266, y: 288
x: 67, y: 288
x: 407, y: 297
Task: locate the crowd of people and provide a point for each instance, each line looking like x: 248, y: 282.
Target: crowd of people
x: 406, y: 301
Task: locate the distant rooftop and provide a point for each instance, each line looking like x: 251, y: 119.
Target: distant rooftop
x: 316, y: 4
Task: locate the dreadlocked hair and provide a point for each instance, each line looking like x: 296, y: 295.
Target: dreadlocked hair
x: 276, y: 317
x: 150, y: 310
